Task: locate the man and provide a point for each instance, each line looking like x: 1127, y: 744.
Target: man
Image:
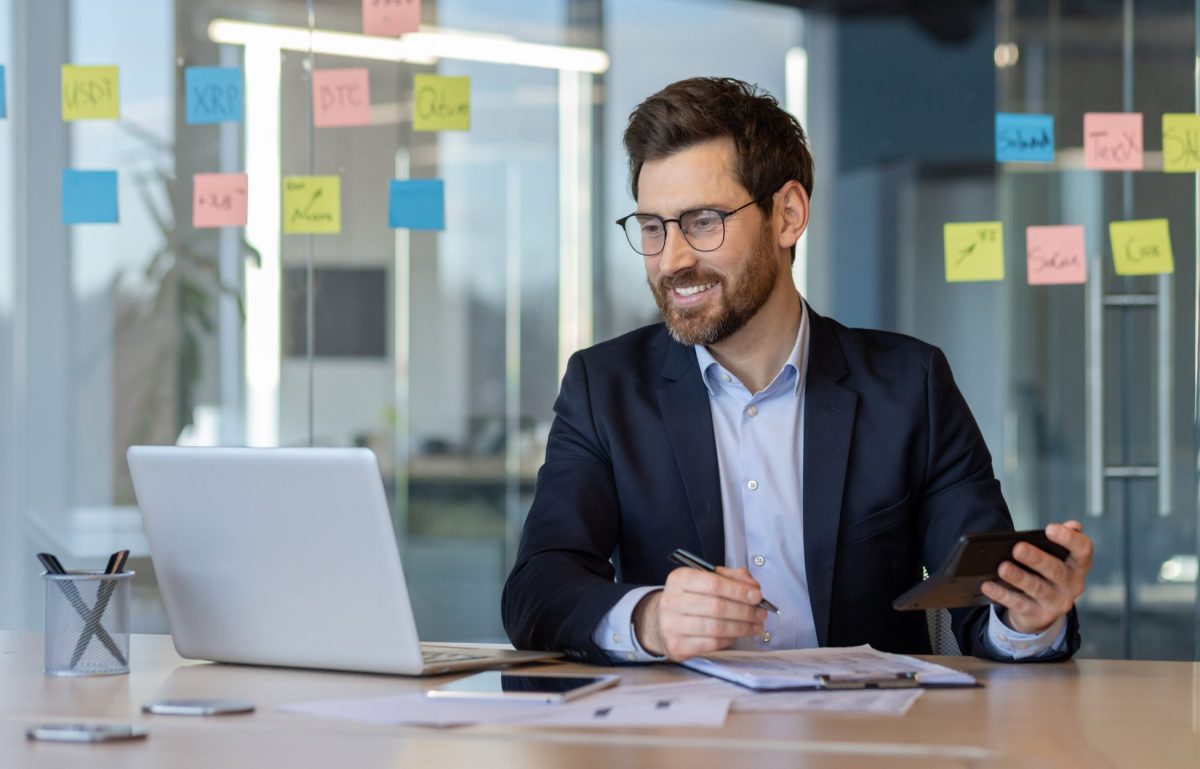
x: 823, y: 466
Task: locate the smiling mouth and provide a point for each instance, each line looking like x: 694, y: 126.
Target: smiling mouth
x: 692, y: 290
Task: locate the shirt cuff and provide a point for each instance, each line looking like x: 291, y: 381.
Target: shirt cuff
x: 1020, y: 646
x: 615, y: 635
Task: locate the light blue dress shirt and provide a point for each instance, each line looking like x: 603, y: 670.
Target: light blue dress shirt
x: 760, y: 445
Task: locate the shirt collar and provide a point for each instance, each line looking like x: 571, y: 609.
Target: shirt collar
x: 797, y: 359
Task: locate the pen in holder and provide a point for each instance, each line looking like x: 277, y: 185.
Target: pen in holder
x: 87, y: 623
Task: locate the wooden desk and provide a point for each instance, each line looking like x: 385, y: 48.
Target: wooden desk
x: 1088, y: 713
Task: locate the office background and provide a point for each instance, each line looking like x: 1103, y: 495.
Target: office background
x: 442, y: 350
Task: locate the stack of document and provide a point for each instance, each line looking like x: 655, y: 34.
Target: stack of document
x: 808, y: 668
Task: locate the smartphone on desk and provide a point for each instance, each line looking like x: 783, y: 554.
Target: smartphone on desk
x: 498, y: 685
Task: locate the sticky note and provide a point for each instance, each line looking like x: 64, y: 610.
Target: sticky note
x: 341, y: 97
x: 1024, y: 138
x: 1181, y: 142
x: 391, y: 17
x: 89, y: 197
x: 219, y: 200
x: 417, y: 204
x: 3, y: 95
x: 312, y: 205
x: 214, y: 95
x: 1056, y: 254
x: 441, y: 103
x: 1112, y: 141
x: 90, y: 93
x: 974, y: 251
x: 1141, y: 247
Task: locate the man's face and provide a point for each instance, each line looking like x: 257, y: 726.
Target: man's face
x: 707, y: 296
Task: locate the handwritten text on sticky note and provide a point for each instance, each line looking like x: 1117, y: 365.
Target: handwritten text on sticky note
x: 1141, y: 247
x: 417, y: 204
x: 312, y: 205
x: 1181, y: 143
x: 441, y: 103
x: 1112, y: 141
x: 90, y: 93
x: 1056, y: 255
x: 341, y: 97
x: 974, y: 251
x: 391, y: 17
x: 1024, y: 138
x: 89, y: 197
x: 219, y: 200
x: 214, y: 95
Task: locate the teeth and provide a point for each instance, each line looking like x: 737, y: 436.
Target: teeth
x: 693, y: 290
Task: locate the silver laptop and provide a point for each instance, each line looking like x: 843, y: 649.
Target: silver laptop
x: 285, y: 557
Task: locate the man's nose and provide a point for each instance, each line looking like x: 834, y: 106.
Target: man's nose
x: 677, y: 254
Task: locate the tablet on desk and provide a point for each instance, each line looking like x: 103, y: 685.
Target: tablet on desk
x: 973, y: 561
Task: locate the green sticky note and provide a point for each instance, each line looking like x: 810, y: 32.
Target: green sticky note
x: 90, y: 93
x: 441, y: 103
x: 1181, y: 143
x: 1141, y: 247
x: 312, y: 205
x: 974, y: 251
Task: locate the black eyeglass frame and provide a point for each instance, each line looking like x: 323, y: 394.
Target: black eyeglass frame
x: 723, y: 215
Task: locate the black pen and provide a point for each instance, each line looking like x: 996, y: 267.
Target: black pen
x: 684, y: 558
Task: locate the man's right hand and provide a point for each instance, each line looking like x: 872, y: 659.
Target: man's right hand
x: 699, y: 612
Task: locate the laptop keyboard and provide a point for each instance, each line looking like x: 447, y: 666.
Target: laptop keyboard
x: 433, y: 657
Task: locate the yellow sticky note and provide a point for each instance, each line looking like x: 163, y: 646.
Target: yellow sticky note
x: 441, y: 103
x: 974, y: 251
x: 90, y: 93
x: 1181, y: 143
x: 1141, y: 247
x: 312, y: 205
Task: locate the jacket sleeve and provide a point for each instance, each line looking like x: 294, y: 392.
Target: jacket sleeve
x: 961, y: 495
x: 561, y: 584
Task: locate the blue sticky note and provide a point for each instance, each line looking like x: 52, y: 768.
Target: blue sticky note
x: 3, y: 95
x: 1026, y: 138
x: 417, y: 204
x: 89, y: 197
x: 214, y: 94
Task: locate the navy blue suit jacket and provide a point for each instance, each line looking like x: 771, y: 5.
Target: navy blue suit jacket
x: 895, y: 469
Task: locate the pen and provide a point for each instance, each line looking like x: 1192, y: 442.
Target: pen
x: 684, y: 558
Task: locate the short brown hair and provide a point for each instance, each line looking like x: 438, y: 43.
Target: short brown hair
x: 770, y: 143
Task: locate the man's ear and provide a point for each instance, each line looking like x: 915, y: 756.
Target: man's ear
x: 791, y: 213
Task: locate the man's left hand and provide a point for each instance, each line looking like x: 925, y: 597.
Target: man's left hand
x: 1051, y: 588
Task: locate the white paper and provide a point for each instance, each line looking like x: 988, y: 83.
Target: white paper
x: 799, y: 668
x: 701, y: 702
x: 891, y: 702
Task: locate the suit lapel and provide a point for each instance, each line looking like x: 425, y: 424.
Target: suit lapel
x: 683, y: 401
x: 829, y: 411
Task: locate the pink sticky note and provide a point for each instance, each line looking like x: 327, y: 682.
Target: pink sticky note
x: 341, y: 97
x: 1112, y: 141
x: 219, y: 200
x: 1056, y: 255
x: 391, y: 17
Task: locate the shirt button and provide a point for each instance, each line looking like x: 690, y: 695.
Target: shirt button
x: 752, y: 411
x: 752, y: 485
x: 616, y: 638
x: 766, y: 637
x: 759, y: 560
x: 724, y: 377
x: 631, y: 656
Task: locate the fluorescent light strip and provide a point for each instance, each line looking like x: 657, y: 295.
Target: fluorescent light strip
x: 416, y: 47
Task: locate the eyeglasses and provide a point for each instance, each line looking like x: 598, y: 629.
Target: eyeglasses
x: 702, y: 228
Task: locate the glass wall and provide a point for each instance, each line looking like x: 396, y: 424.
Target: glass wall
x: 442, y: 350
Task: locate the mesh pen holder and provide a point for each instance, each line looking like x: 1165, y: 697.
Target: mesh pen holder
x: 87, y: 623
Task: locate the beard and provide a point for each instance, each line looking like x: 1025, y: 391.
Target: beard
x: 741, y: 297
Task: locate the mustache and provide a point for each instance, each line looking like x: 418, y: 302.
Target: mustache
x: 689, y: 278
